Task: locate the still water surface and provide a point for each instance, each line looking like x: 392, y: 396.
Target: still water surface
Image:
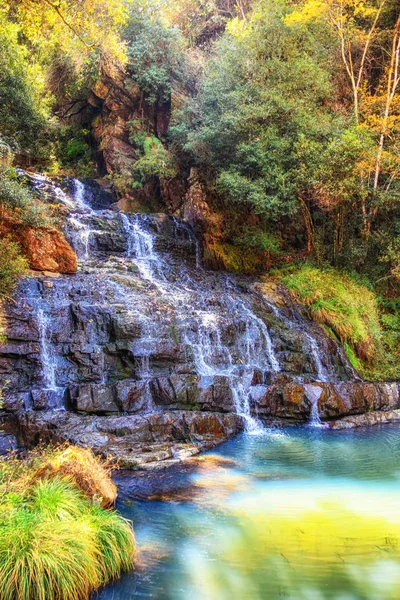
x: 304, y: 514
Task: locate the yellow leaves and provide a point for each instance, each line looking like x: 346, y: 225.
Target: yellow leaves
x: 74, y: 27
x: 236, y: 27
x: 310, y: 11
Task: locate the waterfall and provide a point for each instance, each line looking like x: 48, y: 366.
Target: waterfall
x: 49, y: 365
x: 212, y: 357
x: 80, y: 237
x: 257, y: 339
x: 80, y: 195
x: 311, y: 344
x: 140, y: 246
x: 321, y: 370
x: 79, y: 225
x: 160, y: 317
x: 313, y: 394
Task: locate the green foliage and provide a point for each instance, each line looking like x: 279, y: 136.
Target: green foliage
x: 154, y: 159
x: 334, y: 299
x: 258, y: 240
x: 265, y: 90
x: 368, y: 327
x: 12, y: 266
x: 74, y: 151
x: 236, y: 258
x: 19, y: 203
x: 155, y: 52
x: 23, y: 109
x: 54, y: 544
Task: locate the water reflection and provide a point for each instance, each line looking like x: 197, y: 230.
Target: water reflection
x: 299, y: 514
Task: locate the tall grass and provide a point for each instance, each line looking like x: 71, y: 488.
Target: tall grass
x: 56, y: 545
x: 344, y: 306
x: 351, y: 313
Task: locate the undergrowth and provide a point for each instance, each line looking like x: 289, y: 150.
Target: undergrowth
x: 12, y: 266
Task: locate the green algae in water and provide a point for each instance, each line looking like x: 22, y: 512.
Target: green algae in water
x: 300, y: 514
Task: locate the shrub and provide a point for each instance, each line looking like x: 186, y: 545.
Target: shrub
x: 154, y: 159
x: 19, y: 203
x: 258, y: 240
x: 12, y: 266
x: 54, y: 543
x: 82, y: 467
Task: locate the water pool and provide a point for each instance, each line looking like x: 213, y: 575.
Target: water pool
x: 297, y: 513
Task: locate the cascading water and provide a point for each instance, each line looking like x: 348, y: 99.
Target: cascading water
x: 141, y: 310
x: 211, y: 356
x: 313, y: 394
x: 49, y: 365
x: 79, y: 226
x: 311, y: 345
x: 322, y: 373
x: 140, y: 247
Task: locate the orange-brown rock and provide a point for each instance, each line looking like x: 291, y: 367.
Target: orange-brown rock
x: 48, y: 250
x: 45, y: 249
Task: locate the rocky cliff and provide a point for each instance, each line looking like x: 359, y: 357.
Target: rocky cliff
x: 146, y: 356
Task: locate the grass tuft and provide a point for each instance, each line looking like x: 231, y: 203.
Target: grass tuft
x: 55, y: 543
x: 335, y: 300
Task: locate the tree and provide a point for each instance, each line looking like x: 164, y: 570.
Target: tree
x: 154, y: 51
x: 369, y: 36
x: 77, y: 27
x: 267, y: 87
x: 23, y: 107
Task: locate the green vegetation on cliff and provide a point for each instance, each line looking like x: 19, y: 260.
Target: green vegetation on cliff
x: 354, y: 315
x: 56, y: 542
x: 12, y: 266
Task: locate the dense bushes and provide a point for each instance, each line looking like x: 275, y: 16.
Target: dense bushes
x: 19, y: 203
x: 55, y: 544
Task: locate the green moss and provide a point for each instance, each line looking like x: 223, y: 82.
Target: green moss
x: 232, y: 258
x: 351, y: 355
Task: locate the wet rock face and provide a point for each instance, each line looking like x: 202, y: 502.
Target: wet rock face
x: 136, y: 442
x: 293, y: 401
x: 144, y: 352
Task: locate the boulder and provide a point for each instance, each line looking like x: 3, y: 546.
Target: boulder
x: 94, y: 398
x: 47, y: 250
